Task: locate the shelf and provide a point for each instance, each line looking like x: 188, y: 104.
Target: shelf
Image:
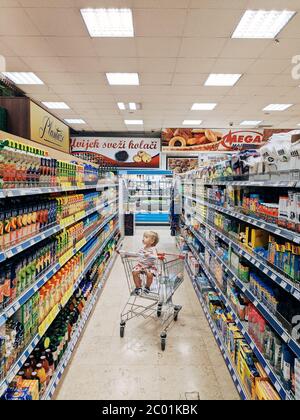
x: 274, y: 378
x: 21, y: 300
x: 218, y: 338
x: 276, y: 230
x: 269, y: 317
x: 4, y: 255
x: 76, y: 336
x: 284, y: 282
x: 266, y: 184
x: 22, y: 192
x: 21, y: 360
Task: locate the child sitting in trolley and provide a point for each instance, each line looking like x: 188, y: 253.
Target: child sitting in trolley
x: 147, y: 263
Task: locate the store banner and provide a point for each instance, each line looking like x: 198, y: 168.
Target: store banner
x: 119, y: 151
x: 188, y: 140
x: 48, y: 130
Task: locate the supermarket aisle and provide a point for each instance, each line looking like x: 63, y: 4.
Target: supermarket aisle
x: 108, y: 367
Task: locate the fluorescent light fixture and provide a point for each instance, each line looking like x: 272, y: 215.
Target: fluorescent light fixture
x: 23, y: 78
x: 121, y: 106
x: 250, y: 123
x: 55, y: 105
x: 122, y: 79
x: 108, y: 22
x: 134, y: 122
x: 132, y: 106
x: 222, y: 79
x: 203, y: 107
x: 74, y: 121
x: 277, y: 107
x: 192, y: 122
x: 262, y: 24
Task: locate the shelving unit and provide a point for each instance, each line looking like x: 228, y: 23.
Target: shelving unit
x: 97, y: 238
x: 149, y: 192
x: 195, y: 215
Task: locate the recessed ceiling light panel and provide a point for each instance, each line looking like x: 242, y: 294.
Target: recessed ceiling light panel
x: 108, y: 22
x: 74, y: 121
x: 251, y: 123
x: 192, y: 123
x: 123, y: 79
x: 277, y: 107
x: 134, y: 122
x: 23, y: 78
x: 262, y: 24
x: 222, y: 79
x: 203, y: 107
x: 55, y: 105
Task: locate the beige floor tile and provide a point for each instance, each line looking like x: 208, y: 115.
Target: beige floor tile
x: 105, y: 366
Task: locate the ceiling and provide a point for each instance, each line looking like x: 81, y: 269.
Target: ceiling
x: 177, y: 44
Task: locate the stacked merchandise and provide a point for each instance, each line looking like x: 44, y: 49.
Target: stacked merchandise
x: 35, y: 376
x: 245, y: 236
x: 151, y: 195
x: 55, y: 252
x: 22, y: 166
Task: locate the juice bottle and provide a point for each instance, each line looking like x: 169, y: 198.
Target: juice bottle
x: 7, y: 229
x: 45, y: 365
x: 50, y: 360
x: 1, y: 229
x: 25, y: 222
x: 41, y: 374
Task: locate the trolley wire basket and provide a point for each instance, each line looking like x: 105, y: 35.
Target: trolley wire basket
x: 158, y: 303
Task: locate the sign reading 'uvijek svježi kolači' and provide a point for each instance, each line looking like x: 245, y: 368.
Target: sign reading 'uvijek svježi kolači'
x: 120, y: 152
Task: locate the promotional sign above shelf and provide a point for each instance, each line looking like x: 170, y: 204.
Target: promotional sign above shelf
x: 119, y: 152
x: 189, y: 140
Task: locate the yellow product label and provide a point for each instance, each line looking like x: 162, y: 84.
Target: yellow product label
x: 80, y: 215
x: 80, y: 244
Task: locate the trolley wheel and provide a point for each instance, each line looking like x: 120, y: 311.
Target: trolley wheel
x: 176, y: 312
x: 122, y: 329
x: 163, y: 341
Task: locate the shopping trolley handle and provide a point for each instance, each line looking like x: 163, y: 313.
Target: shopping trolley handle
x: 162, y: 256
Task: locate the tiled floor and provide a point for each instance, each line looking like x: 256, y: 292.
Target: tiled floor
x: 106, y: 367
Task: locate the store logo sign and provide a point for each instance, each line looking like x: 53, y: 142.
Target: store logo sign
x: 48, y: 129
x: 236, y: 139
x: 296, y: 68
x: 2, y: 64
x: 296, y: 329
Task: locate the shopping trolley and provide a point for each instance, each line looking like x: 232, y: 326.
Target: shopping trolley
x: 158, y: 302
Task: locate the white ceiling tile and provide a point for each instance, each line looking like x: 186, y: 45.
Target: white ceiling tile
x: 44, y: 64
x: 62, y: 89
x: 211, y: 22
x: 255, y: 80
x: 156, y: 65
x: 148, y: 23
x: 46, y: 97
x: 202, y: 47
x: 286, y: 48
x: 5, y: 50
x: 9, y: 3
x: 57, y: 21
x: 232, y: 66
x: 72, y: 46
x: 195, y: 65
x: 114, y: 47
x: 16, y: 64
x: 263, y: 66
x: 156, y: 78
x: 47, y: 3
x: 284, y: 80
x: 160, y: 4
x: 81, y: 64
x: 55, y: 78
x: 118, y: 65
x: 91, y: 78
x: 14, y: 21
x: 37, y: 89
x: 189, y: 79
x: 274, y: 4
x: 158, y: 47
x: 30, y: 46
x: 245, y: 48
x: 218, y: 4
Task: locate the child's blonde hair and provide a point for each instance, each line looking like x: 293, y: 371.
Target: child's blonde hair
x: 154, y: 236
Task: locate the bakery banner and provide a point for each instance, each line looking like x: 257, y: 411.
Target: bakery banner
x: 189, y: 140
x: 118, y: 151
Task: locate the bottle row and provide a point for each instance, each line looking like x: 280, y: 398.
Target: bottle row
x: 278, y: 302
x: 22, y: 166
x: 22, y: 327
x: 275, y: 206
x: 32, y: 380
x: 21, y: 219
